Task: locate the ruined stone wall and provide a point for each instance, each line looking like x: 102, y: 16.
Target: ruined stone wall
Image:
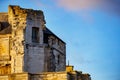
x: 18, y: 76
x: 32, y: 48
x: 74, y: 75
x: 86, y: 77
x: 78, y: 75
x: 26, y: 55
x: 17, y: 20
x: 4, y: 47
x: 30, y: 56
x: 34, y: 51
x: 4, y: 23
x: 56, y: 54
x: 3, y: 17
x: 50, y: 76
x: 5, y: 63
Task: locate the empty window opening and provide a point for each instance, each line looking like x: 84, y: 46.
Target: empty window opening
x: 58, y: 59
x: 35, y: 34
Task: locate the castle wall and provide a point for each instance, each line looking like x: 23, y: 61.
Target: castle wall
x: 5, y: 63
x: 56, y: 54
x: 73, y: 75
x: 3, y: 20
x: 26, y: 45
x: 34, y: 60
x: 29, y: 54
x: 4, y: 47
x: 26, y: 55
x: 34, y: 48
x: 17, y: 20
x: 50, y: 76
x: 3, y: 17
x: 18, y: 76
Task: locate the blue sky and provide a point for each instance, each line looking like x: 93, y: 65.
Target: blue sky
x: 90, y: 28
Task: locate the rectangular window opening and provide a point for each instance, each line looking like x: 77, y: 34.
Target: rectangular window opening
x: 35, y: 34
x: 58, y: 59
x: 45, y: 38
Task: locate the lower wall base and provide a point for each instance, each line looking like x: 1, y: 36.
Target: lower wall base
x: 74, y: 75
x: 15, y: 76
x: 40, y: 76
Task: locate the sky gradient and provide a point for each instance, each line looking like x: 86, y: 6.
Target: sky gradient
x: 90, y: 28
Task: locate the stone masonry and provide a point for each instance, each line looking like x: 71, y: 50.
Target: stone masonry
x: 32, y: 47
x: 28, y: 49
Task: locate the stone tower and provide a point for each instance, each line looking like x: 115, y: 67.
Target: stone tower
x: 29, y: 46
x: 30, y: 51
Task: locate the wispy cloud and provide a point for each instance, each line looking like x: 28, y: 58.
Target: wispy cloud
x: 85, y: 5
x: 110, y: 6
x: 76, y: 5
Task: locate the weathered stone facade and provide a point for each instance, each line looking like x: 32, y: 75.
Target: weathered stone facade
x: 30, y: 51
x: 29, y: 48
x: 69, y: 74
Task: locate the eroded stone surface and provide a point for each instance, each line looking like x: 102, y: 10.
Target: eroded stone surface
x: 26, y: 55
x: 27, y: 45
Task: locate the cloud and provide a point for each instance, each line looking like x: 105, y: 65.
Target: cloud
x: 76, y: 4
x: 83, y: 8
x: 86, y: 5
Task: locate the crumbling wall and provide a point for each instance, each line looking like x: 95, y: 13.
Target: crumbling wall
x: 29, y: 56
x: 18, y: 76
x: 4, y: 23
x: 17, y: 20
x: 26, y: 55
x: 86, y: 77
x: 3, y: 17
x: 34, y: 51
x: 56, y: 58
x: 5, y: 66
x: 50, y: 76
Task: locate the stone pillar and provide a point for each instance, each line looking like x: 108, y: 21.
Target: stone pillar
x: 17, y: 19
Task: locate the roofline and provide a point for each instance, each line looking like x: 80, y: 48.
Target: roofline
x: 56, y: 36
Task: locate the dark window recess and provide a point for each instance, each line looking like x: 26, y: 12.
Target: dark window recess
x: 35, y: 34
x: 58, y: 59
x: 46, y: 38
